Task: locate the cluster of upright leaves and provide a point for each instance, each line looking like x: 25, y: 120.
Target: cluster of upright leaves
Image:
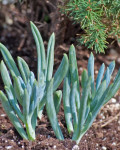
x: 22, y: 92
x: 99, y: 19
x: 27, y: 96
x: 29, y: 93
x: 81, y: 109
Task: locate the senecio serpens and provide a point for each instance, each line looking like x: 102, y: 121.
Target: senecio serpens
x: 26, y: 96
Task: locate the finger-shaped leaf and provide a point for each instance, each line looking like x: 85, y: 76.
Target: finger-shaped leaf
x: 9, y: 111
x: 73, y: 105
x: 114, y: 88
x: 84, y: 78
x: 22, y: 82
x: 5, y: 75
x: 111, y: 67
x: 26, y: 104
x: 9, y: 60
x: 14, y: 104
x: 24, y: 69
x: 32, y: 78
x: 61, y: 72
x: 34, y: 98
x: 74, y: 72
x: 98, y: 95
x: 40, y: 50
x: 66, y: 104
x: 19, y: 91
x: 100, y: 76
x: 51, y: 111
x: 50, y: 57
x: 57, y: 100
x: 91, y: 70
x: 107, y: 77
x: 34, y: 119
x: 92, y: 115
x: 82, y: 111
x: 73, y: 66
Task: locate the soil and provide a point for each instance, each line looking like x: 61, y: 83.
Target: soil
x: 16, y: 35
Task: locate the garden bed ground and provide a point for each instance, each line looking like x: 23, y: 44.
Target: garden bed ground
x: 16, y: 35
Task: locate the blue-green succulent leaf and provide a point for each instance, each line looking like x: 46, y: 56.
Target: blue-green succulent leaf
x: 40, y: 50
x: 24, y: 69
x: 9, y: 60
x: 91, y: 70
x: 61, y: 72
x: 50, y: 57
x: 66, y: 103
x: 57, y: 100
x: 9, y: 111
x: 51, y: 111
x: 100, y: 76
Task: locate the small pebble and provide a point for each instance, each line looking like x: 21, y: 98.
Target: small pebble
x: 113, y: 100
x: 117, y: 105
x: 103, y: 117
x: 81, y: 69
x: 75, y: 147
x: 22, y: 146
x: 18, y: 142
x: 8, y: 147
x: 54, y: 146
x: 96, y: 72
x: 96, y: 144
x: 104, y: 148
x: 113, y: 143
x: 3, y: 115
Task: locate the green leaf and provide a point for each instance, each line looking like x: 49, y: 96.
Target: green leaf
x: 98, y: 95
x: 100, y: 76
x: 40, y: 50
x: 14, y: 103
x: 57, y: 100
x: 5, y: 75
x: 84, y: 78
x: 61, y: 72
x: 24, y: 69
x: 91, y: 70
x: 50, y: 57
x: 114, y: 88
x: 26, y: 104
x: 9, y: 60
x: 51, y: 112
x: 9, y: 111
x: 82, y: 111
x: 73, y: 105
x: 74, y: 70
x: 66, y: 104
x: 19, y: 91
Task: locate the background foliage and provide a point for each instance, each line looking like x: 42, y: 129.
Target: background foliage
x: 98, y: 18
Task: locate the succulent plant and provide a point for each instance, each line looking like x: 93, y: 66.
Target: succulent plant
x: 81, y: 108
x: 27, y: 96
x: 31, y: 93
x: 22, y: 98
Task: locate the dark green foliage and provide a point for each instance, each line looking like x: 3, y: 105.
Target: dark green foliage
x: 98, y: 18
